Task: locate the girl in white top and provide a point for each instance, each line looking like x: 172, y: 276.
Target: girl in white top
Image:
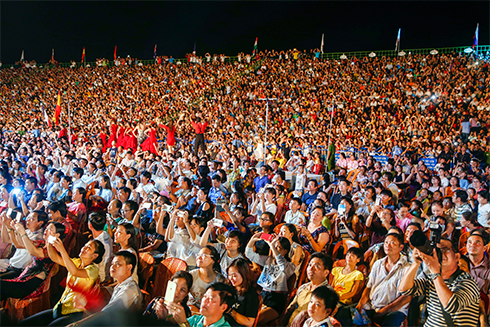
x: 178, y: 238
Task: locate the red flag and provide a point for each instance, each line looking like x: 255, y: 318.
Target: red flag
x: 83, y: 55
x: 57, y: 109
x: 115, y: 52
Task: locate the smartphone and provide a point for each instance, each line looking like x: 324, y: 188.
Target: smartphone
x: 150, y: 196
x: 217, y: 222
x: 267, y: 237
x: 167, y: 208
x: 180, y: 214
x: 51, y: 239
x: 16, y: 191
x: 18, y: 216
x: 341, y: 209
x: 45, y: 203
x: 146, y: 205
x: 170, y: 292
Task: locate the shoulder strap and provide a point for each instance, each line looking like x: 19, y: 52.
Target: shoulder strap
x: 447, y: 316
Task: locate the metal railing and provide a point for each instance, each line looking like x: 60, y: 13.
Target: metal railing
x: 331, y: 55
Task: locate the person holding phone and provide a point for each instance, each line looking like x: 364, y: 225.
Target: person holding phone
x: 228, y: 251
x: 13, y: 267
x: 158, y: 309
x: 275, y: 273
x: 34, y: 275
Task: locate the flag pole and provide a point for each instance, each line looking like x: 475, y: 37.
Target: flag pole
x: 266, y: 121
x: 69, y: 124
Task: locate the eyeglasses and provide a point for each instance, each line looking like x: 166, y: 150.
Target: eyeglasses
x: 203, y: 255
x: 445, y: 250
x: 263, y: 219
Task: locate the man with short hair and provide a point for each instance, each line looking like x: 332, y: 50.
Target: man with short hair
x: 479, y: 262
x: 57, y: 211
x: 342, y: 193
x: 218, y: 299
x: 452, y: 295
x: 261, y: 180
x: 310, y: 195
x: 216, y: 192
x: 381, y: 299
x: 318, y: 270
x: 77, y: 179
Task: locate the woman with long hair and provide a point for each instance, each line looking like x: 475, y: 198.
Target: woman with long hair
x: 157, y: 310
x: 296, y: 253
x: 170, y: 128
x: 241, y: 277
x: 346, y: 223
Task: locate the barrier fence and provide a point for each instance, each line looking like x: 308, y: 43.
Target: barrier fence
x: 482, y: 49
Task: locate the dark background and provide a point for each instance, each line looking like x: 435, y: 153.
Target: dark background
x: 230, y: 27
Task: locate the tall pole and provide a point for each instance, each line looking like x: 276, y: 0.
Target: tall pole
x: 266, y: 121
x: 69, y: 124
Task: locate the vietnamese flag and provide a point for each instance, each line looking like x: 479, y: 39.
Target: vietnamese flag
x: 57, y: 109
x: 83, y: 55
x: 115, y: 52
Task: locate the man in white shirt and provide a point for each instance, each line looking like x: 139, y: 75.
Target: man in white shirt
x: 77, y: 179
x: 381, y: 298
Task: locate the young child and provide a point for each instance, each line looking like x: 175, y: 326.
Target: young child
x: 322, y: 304
x: 301, y: 177
x: 293, y: 215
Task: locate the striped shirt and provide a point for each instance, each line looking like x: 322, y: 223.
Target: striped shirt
x: 463, y: 305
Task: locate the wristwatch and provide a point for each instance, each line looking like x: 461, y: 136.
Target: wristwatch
x: 432, y: 277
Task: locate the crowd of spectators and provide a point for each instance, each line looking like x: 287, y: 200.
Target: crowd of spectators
x: 169, y: 160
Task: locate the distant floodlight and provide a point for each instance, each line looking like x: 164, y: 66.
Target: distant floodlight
x: 343, y: 56
x: 468, y: 50
x: 434, y: 52
x: 372, y: 55
x: 402, y: 53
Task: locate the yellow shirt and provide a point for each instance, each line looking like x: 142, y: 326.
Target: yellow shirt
x: 68, y: 298
x: 343, y: 283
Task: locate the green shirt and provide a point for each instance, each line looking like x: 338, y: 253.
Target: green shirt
x: 197, y: 321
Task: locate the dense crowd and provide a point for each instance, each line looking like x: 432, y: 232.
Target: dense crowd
x: 169, y: 161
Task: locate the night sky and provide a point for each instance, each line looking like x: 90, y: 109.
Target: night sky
x: 230, y: 27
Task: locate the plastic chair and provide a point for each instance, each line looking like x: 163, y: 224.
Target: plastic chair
x: 277, y: 229
x: 165, y: 270
x: 146, y: 262
x: 258, y: 313
x: 346, y: 244
x: 462, y: 240
x: 19, y: 309
x: 302, y: 272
